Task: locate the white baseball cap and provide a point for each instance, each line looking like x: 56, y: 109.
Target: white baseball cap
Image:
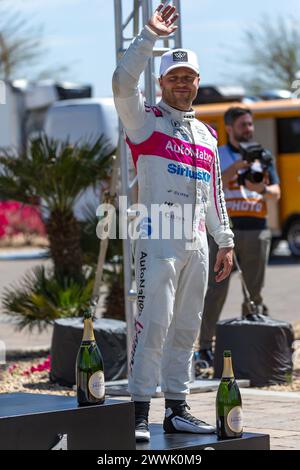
x: 178, y: 58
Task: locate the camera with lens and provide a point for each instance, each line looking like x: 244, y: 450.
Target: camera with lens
x: 259, y: 159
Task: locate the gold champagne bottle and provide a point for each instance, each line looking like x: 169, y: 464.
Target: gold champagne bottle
x: 89, y: 367
x: 229, y: 403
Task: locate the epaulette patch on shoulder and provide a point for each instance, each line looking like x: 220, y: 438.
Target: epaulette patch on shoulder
x: 156, y: 111
x: 211, y: 130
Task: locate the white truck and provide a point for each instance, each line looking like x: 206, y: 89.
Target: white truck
x: 83, y: 120
x: 11, y: 116
x: 24, y: 105
x: 28, y: 108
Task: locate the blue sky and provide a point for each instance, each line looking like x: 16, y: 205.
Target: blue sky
x: 81, y: 33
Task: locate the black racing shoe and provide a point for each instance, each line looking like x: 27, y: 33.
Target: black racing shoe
x: 177, y: 419
x: 142, y: 433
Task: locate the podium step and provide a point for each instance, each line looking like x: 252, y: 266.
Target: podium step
x: 185, y: 441
x: 40, y: 422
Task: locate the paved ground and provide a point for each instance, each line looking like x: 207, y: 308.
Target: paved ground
x: 11, y: 272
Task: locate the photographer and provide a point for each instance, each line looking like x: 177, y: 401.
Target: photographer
x: 246, y: 206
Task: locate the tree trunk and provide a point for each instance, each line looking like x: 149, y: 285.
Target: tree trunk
x: 64, y: 237
x: 115, y: 301
x: 4, y: 58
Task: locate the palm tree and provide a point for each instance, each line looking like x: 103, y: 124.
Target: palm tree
x: 53, y: 175
x: 270, y: 54
x: 40, y: 298
x: 23, y: 47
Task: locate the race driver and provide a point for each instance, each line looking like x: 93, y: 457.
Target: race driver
x: 177, y: 164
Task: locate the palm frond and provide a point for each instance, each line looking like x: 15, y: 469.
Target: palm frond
x: 53, y: 171
x: 40, y: 298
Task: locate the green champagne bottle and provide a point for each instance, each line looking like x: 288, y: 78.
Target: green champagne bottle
x: 89, y: 367
x: 229, y: 403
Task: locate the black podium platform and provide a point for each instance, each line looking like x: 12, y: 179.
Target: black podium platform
x: 184, y: 441
x: 31, y: 421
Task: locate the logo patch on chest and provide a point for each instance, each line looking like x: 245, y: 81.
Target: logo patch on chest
x: 180, y: 133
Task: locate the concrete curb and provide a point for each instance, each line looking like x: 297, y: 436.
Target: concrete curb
x: 32, y: 352
x: 13, y: 255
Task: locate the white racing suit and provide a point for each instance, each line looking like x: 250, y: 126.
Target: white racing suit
x: 177, y: 164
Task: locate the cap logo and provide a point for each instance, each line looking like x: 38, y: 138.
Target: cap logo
x: 180, y: 56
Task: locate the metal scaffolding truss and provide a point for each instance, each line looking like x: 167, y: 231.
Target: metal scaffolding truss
x: 126, y: 28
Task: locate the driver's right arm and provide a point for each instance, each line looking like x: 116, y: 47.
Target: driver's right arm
x: 128, y: 98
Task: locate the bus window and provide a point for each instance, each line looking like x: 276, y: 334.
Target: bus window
x: 288, y: 132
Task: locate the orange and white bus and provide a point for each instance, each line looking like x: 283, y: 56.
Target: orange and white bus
x: 277, y: 127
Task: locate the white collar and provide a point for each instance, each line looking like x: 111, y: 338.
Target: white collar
x: 176, y: 114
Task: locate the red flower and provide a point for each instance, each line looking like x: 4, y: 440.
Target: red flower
x: 12, y: 368
x: 16, y: 217
x: 44, y: 366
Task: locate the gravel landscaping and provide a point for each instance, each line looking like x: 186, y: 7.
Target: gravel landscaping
x: 31, y: 375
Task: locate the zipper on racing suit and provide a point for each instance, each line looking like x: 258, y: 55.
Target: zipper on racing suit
x: 196, y: 208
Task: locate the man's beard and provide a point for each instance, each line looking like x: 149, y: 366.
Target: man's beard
x: 241, y: 138
x: 176, y: 102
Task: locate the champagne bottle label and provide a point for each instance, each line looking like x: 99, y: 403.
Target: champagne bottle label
x: 96, y: 384
x: 235, y: 419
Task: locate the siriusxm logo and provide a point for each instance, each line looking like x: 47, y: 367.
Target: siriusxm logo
x: 199, y: 175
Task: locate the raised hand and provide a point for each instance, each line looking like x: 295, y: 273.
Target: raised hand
x: 163, y: 19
